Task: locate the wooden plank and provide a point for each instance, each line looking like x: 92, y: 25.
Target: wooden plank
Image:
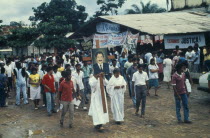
x: 102, y: 94
x: 111, y: 57
x: 86, y: 58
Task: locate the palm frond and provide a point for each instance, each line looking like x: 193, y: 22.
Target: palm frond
x: 136, y: 8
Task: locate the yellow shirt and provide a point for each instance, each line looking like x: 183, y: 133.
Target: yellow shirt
x: 207, y: 57
x: 61, y: 69
x: 34, y: 79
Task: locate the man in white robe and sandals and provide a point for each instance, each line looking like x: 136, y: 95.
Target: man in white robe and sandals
x: 116, y: 88
x: 98, y: 106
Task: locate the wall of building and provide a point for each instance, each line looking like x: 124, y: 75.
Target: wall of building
x: 178, y: 4
x: 31, y: 50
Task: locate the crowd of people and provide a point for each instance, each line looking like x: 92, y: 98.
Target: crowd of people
x: 64, y: 79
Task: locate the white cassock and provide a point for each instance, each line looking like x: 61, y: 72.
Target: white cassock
x: 96, y: 107
x: 117, y: 97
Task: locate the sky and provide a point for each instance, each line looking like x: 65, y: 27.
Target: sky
x: 21, y: 10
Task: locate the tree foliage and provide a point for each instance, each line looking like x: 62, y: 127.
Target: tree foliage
x: 3, y: 41
x: 108, y: 7
x: 145, y: 8
x: 56, y: 19
x: 74, y: 14
x: 54, y: 32
x: 22, y: 37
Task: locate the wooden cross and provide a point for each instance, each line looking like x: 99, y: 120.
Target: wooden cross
x: 102, y: 93
x: 101, y: 79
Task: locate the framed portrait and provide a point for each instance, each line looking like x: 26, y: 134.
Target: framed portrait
x: 100, y: 61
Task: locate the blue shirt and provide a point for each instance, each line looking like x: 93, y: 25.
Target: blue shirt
x: 87, y: 71
x: 159, y: 60
x: 181, y: 60
x: 122, y: 61
x: 131, y: 71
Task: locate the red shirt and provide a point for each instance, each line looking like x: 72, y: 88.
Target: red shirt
x: 66, y: 89
x: 49, y: 81
x: 179, y: 82
x: 61, y: 79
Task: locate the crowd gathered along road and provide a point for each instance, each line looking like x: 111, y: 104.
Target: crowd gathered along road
x: 159, y: 122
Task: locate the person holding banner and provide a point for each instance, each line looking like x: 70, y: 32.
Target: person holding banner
x: 100, y: 66
x: 98, y: 107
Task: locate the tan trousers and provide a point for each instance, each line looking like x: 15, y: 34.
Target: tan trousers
x: 67, y: 106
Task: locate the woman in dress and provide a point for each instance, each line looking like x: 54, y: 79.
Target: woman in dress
x: 167, y: 63
x: 35, y: 90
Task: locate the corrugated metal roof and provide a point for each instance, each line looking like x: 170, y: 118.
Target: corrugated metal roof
x: 164, y: 23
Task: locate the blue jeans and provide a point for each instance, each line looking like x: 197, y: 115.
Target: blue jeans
x: 184, y: 100
x: 50, y: 97
x: 82, y: 94
x: 21, y: 86
x: 131, y: 90
x: 2, y: 97
x: 86, y: 87
x: 123, y: 73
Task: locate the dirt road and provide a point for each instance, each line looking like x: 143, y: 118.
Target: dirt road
x: 159, y: 122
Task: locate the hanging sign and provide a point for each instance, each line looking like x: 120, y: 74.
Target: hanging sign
x: 109, y: 40
x: 183, y: 41
x: 105, y: 27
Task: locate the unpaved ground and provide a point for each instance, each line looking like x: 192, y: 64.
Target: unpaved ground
x: 159, y: 122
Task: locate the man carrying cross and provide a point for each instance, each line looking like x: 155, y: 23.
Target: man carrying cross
x: 98, y: 106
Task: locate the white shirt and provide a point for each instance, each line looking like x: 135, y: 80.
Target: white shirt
x: 141, y: 61
x: 116, y: 53
x: 40, y: 67
x: 168, y: 65
x: 140, y: 78
x: 151, y: 74
x: 147, y: 57
x: 57, y: 76
x: 111, y: 68
x: 190, y: 56
x: 101, y: 66
x: 20, y: 77
x: 197, y: 55
x: 42, y: 73
x: 13, y: 65
x: 128, y: 64
x: 8, y: 70
x: 79, y: 78
x: 73, y: 69
x: 66, y: 62
x: 54, y: 60
x: 152, y: 58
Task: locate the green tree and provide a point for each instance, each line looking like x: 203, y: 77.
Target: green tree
x: 145, y: 8
x: 21, y: 37
x: 1, y: 21
x: 108, y: 7
x: 74, y: 14
x: 3, y: 41
x: 54, y: 32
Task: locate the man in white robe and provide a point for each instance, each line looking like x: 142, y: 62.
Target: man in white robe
x: 96, y: 106
x: 116, y: 88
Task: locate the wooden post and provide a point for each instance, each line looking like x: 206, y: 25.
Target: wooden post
x: 102, y: 94
x: 97, y: 44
